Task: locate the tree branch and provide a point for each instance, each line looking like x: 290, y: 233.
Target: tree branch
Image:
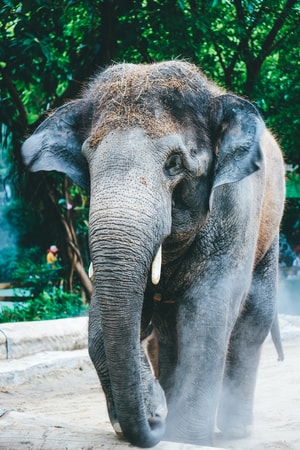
x: 243, y: 46
x: 15, y: 98
x: 72, y: 246
x: 219, y: 53
x: 268, y: 43
x: 283, y: 38
x: 239, y: 11
x: 254, y: 64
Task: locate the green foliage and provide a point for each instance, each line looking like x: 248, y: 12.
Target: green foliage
x: 42, y: 41
x: 47, y: 297
x: 35, y: 275
x: 45, y: 306
x: 7, y: 263
x: 278, y: 94
x: 49, y: 49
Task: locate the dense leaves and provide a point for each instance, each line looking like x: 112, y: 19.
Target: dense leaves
x: 45, y: 306
x: 49, y: 48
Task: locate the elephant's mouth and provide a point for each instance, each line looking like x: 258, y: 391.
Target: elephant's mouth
x: 155, y: 268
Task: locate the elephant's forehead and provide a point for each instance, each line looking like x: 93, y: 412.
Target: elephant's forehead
x: 129, y: 95
x: 133, y: 80
x: 153, y: 126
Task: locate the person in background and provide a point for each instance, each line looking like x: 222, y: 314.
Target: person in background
x: 53, y: 263
x: 52, y: 255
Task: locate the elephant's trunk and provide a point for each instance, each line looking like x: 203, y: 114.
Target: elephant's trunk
x: 125, y: 235
x: 121, y: 266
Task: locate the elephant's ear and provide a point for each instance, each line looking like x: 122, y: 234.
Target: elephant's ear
x: 236, y: 130
x: 56, y: 143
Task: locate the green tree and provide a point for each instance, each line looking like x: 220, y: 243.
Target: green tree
x: 48, y: 49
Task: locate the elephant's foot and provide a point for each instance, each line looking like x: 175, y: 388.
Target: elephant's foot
x: 186, y: 438
x: 235, y: 424
x: 236, y: 431
x: 187, y: 429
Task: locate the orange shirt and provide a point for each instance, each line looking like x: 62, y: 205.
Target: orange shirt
x: 51, y: 258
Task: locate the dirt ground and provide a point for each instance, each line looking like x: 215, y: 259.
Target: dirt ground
x: 75, y: 396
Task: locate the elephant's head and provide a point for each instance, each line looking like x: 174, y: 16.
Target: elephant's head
x: 152, y: 143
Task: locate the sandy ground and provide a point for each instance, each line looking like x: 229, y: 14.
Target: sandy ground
x: 75, y: 396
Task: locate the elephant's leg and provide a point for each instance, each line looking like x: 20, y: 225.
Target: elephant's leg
x: 235, y: 415
x: 202, y: 337
x: 164, y: 321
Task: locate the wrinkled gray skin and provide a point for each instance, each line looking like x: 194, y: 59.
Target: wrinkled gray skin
x: 172, y: 160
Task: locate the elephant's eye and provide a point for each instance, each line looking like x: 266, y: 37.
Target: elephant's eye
x: 174, y: 165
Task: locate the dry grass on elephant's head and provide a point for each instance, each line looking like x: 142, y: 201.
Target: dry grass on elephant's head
x: 137, y: 95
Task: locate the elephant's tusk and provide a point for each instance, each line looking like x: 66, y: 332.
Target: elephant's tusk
x: 156, y: 267
x: 91, y: 271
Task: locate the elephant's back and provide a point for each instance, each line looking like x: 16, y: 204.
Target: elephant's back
x: 273, y: 193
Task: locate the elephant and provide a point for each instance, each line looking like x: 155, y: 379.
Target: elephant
x: 187, y: 193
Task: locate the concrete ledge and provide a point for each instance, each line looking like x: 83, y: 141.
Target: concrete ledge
x: 19, y: 371
x: 19, y: 339
x: 19, y: 431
